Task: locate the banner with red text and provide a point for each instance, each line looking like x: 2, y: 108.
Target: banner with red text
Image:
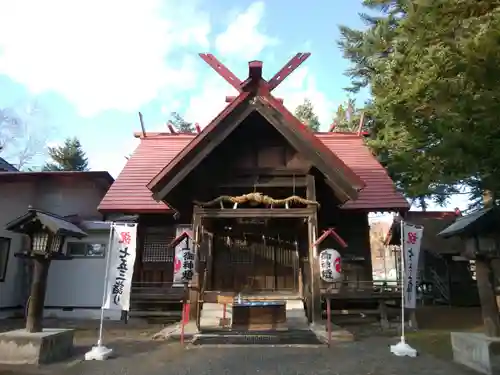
x: 121, y: 253
x: 412, y: 238
x: 184, y: 256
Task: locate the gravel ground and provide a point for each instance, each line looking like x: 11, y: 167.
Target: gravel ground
x: 366, y: 357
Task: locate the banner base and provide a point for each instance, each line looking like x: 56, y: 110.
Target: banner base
x: 98, y: 353
x: 402, y: 349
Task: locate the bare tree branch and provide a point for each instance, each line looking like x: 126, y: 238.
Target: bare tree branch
x: 23, y: 134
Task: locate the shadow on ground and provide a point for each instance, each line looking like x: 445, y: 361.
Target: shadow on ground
x: 126, y: 340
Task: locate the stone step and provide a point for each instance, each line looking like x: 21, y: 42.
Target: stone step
x: 295, y: 305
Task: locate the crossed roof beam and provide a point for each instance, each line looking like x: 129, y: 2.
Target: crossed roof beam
x: 263, y: 87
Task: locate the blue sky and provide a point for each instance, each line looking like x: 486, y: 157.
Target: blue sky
x: 91, y: 65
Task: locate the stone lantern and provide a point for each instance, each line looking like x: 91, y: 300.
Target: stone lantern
x: 480, y: 234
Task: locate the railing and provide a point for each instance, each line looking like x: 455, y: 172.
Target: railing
x: 157, y: 298
x: 440, y: 286
x: 368, y: 286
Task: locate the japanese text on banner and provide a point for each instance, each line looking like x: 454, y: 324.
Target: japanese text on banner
x: 184, y: 259
x: 412, y: 237
x: 122, y: 255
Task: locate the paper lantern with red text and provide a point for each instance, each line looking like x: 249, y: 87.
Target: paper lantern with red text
x: 330, y: 265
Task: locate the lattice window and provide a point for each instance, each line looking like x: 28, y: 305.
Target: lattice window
x: 156, y: 240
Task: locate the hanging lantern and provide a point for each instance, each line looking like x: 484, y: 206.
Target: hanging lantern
x: 330, y: 266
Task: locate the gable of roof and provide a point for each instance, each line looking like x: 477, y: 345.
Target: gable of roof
x: 130, y: 194
x: 344, y: 182
x: 6, y: 166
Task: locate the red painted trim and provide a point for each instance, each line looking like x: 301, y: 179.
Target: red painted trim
x: 309, y: 137
x: 230, y: 98
x: 196, y: 141
x: 179, y: 239
x: 255, y: 70
x: 222, y: 70
x: 288, y: 69
x: 330, y: 232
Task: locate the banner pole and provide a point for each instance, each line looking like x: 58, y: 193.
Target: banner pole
x: 106, y: 275
x: 100, y: 352
x: 402, y: 349
x: 402, y: 259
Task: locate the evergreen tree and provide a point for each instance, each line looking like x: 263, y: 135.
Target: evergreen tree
x: 347, y: 117
x: 305, y: 113
x: 180, y: 124
x: 434, y: 107
x: 430, y: 66
x: 68, y: 157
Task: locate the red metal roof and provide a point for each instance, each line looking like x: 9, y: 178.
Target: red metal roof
x: 311, y: 137
x: 129, y: 193
x: 379, y: 192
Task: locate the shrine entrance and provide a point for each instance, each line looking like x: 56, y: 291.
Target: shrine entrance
x: 257, y: 256
x: 253, y: 252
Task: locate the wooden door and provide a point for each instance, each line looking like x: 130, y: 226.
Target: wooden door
x: 241, y: 266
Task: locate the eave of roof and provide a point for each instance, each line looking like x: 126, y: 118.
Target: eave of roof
x: 89, y: 175
x: 129, y: 194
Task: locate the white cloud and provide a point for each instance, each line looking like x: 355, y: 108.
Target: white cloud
x: 242, y: 38
x: 300, y: 85
x: 110, y: 159
x: 243, y: 41
x: 207, y: 104
x: 112, y: 54
x: 99, y: 54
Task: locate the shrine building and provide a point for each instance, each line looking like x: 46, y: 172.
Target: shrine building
x: 261, y: 196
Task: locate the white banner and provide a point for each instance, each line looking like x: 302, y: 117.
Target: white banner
x: 122, y: 252
x: 412, y: 238
x: 184, y: 256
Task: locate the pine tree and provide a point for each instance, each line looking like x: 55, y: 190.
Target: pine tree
x: 180, y: 124
x: 305, y: 113
x: 68, y: 157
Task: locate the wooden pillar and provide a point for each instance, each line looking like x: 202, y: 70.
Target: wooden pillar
x: 312, y: 229
x: 210, y: 263
x: 194, y: 286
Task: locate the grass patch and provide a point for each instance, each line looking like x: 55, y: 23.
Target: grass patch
x: 435, y: 342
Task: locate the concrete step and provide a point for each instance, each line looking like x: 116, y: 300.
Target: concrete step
x: 295, y: 305
x: 212, y: 313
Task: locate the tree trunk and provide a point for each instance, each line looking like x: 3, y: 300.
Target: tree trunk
x: 37, y: 296
x: 489, y: 307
